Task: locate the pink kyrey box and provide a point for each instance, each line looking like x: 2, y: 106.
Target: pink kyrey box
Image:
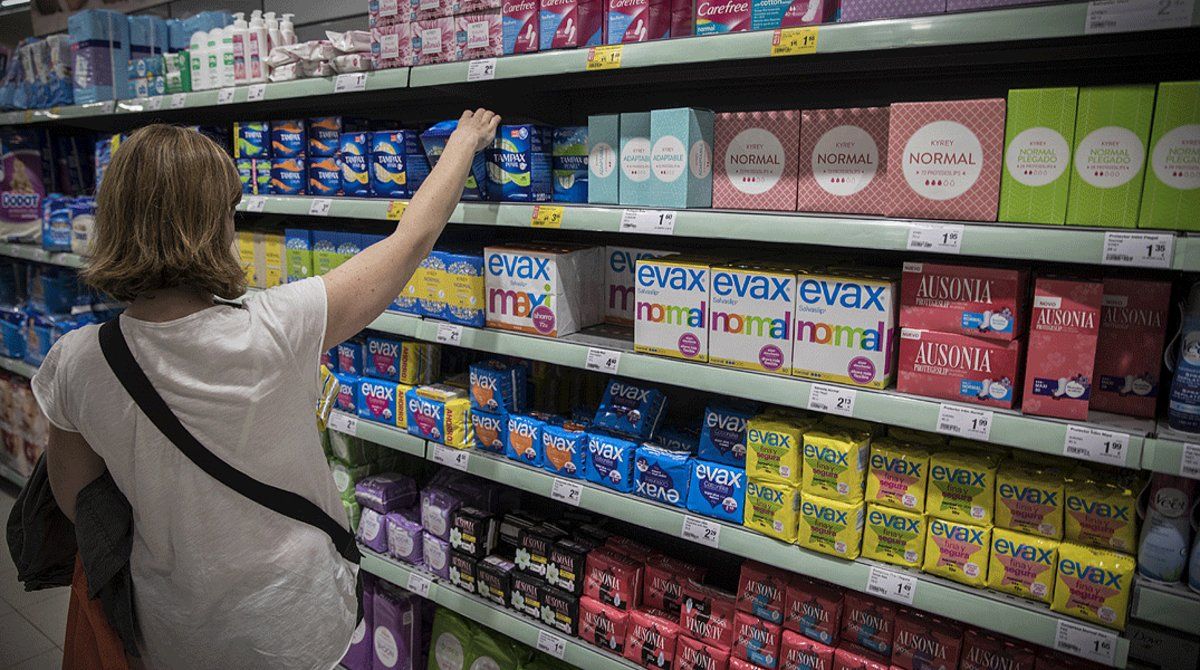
x: 1062, y: 347
x: 433, y: 41
x: 944, y: 159
x: 971, y: 300
x: 1133, y: 323
x: 756, y: 160
x: 960, y: 368
x: 843, y: 160
x: 478, y: 35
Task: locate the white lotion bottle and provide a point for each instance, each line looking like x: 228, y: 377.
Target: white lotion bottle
x: 274, y: 37
x: 241, y: 31
x: 256, y: 53
x: 199, y: 60
x: 287, y: 29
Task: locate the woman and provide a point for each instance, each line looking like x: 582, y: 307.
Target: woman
x: 219, y: 581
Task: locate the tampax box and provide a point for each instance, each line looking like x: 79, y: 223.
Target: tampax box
x: 772, y: 14
x: 571, y: 23
x: 1063, y: 331
x: 671, y: 313
x: 716, y: 17
x: 959, y: 367
x: 1133, y: 319
x: 1171, y: 195
x: 543, y: 289
x: 680, y: 158
x: 751, y: 317
x: 1112, y: 128
x: 1038, y: 136
x: 637, y: 21
x: 944, y: 159
x: 843, y: 161
x: 604, y: 136
x: 298, y: 243
x: 634, y: 186
x: 619, y: 279
x: 519, y: 23
x: 845, y: 329
x: 979, y: 301
x: 755, y: 160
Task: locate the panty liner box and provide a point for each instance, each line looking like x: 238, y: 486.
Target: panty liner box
x: 716, y: 17
x: 865, y: 10
x: 619, y: 298
x: 1038, y: 136
x: 1171, y: 195
x: 388, y: 12
x: 944, y: 159
x: 433, y: 40
x: 519, y: 24
x: 570, y: 23
x: 634, y: 158
x: 478, y: 35
x: 1133, y: 320
x: 681, y: 142
x: 544, y: 289
x: 637, y: 21
x: 1063, y: 330
x: 1112, y: 128
x: 604, y: 136
x: 755, y: 160
x: 843, y: 160
x: 671, y: 317
x: 772, y: 14
x: 430, y: 9
x: 845, y: 329
x: 751, y: 317
x: 979, y: 301
x: 959, y: 367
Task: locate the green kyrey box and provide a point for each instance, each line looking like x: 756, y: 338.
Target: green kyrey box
x: 1038, y: 137
x: 1171, y: 196
x: 1112, y: 129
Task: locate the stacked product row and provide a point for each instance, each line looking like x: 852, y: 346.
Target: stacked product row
x: 67, y: 223
x: 41, y: 303
x: 24, y: 430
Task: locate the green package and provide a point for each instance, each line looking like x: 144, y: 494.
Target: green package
x: 1112, y: 129
x: 1038, y: 135
x: 451, y: 646
x: 1171, y: 195
x: 493, y: 650
x: 346, y: 476
x: 353, y: 512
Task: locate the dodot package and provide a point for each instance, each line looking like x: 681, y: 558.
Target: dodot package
x: 543, y: 289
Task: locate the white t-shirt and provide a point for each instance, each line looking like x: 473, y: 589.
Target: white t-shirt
x: 218, y: 580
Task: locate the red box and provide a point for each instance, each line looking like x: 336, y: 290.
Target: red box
x: 960, y: 368
x: 755, y: 161
x: 1054, y: 660
x: 925, y: 642
x: 869, y: 622
x: 651, y: 640
x: 738, y: 664
x: 800, y: 653
x: 843, y: 161
x: 631, y: 548
x: 756, y: 640
x: 971, y: 300
x: 853, y: 657
x: 694, y: 655
x: 813, y: 609
x: 1063, y: 331
x: 1133, y: 324
x: 602, y: 625
x: 707, y: 614
x: 663, y: 580
x: 613, y: 579
x: 985, y: 651
x: 762, y: 591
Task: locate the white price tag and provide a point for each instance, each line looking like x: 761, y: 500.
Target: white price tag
x: 648, y: 221
x: 1090, y: 643
x: 152, y: 103
x: 551, y: 644
x: 832, y: 399
x: 256, y: 92
x: 892, y: 585
x: 458, y: 459
x: 602, y: 360
x: 942, y: 238
x: 350, y: 82
x: 419, y: 584
x: 565, y: 490
x: 343, y: 423
x: 1093, y: 444
x: 701, y: 530
x: 965, y: 421
x: 225, y: 95
x: 449, y: 333
x: 1189, y: 465
x: 1142, y: 250
x: 481, y: 69
x: 319, y: 207
x: 1119, y: 16
x: 255, y: 203
x: 108, y: 106
x: 178, y: 100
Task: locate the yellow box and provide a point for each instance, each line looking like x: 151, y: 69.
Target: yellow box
x: 1100, y: 514
x: 273, y: 270
x: 773, y: 449
x: 245, y: 249
x: 1030, y: 500
x: 831, y: 527
x: 772, y: 508
x: 835, y: 464
x: 962, y: 487
x: 1023, y: 565
x: 894, y: 536
x: 958, y: 551
x: 1093, y: 584
x: 897, y: 474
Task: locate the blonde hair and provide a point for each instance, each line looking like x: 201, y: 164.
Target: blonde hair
x: 162, y: 217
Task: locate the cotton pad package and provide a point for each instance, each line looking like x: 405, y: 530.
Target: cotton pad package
x: 630, y: 409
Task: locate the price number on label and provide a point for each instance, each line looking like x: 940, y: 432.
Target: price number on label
x: 396, y: 209
x: 832, y: 400
x: 1189, y: 465
x: 546, y: 216
x: 153, y: 103
x: 343, y: 423
x: 419, y: 584
x: 551, y: 644
x: 607, y: 57
x: 794, y: 41
x: 350, y: 82
x: 320, y: 207
x: 225, y: 95
x: 1087, y: 642
x: 255, y: 203
x: 603, y: 360
x: 1145, y: 250
x: 449, y: 333
x: 942, y: 238
x: 965, y: 421
x: 565, y: 490
x: 1093, y: 444
x: 701, y: 530
x: 648, y: 221
x: 256, y: 92
x: 1118, y: 16
x: 892, y: 585
x: 481, y: 69
x: 458, y: 459
x: 178, y: 100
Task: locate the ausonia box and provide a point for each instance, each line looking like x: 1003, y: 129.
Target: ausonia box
x: 755, y: 160
x: 845, y: 329
x: 1038, y: 135
x: 750, y: 325
x: 1112, y: 127
x: 619, y: 274
x: 959, y: 368
x: 671, y: 316
x: 1063, y: 329
x: 972, y: 300
x: 681, y: 143
x: 543, y: 289
x: 1171, y: 195
x: 1133, y: 322
x: 843, y: 160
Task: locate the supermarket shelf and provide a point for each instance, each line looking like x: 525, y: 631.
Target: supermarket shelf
x: 30, y: 252
x: 17, y: 366
x: 395, y: 438
x: 1164, y: 453
x: 576, y: 653
x: 1025, y: 242
x: 11, y: 475
x: 1173, y: 606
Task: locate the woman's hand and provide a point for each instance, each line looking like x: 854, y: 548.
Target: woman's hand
x: 476, y: 129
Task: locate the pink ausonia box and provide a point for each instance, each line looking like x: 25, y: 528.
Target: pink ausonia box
x: 756, y: 160
x: 959, y: 367
x: 1063, y: 331
x: 843, y: 160
x: 944, y: 159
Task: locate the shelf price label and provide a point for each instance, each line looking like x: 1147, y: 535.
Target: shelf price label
x: 256, y: 93
x: 832, y: 399
x: 449, y: 333
x: 605, y: 57
x: 1119, y: 16
x: 565, y: 490
x: 602, y: 360
x: 794, y: 41
x: 892, y: 585
x: 965, y: 421
x: 546, y: 216
x: 648, y: 221
x: 1141, y: 250
x: 418, y: 584
x: 552, y: 644
x: 941, y: 238
x: 1093, y: 444
x: 700, y: 530
x: 178, y: 100
x: 225, y: 95
x: 1189, y: 462
x: 481, y: 69
x: 1087, y: 642
x: 255, y: 203
x: 343, y: 423
x: 350, y: 82
x: 396, y: 209
x: 459, y: 459
x: 320, y: 207
x: 152, y: 103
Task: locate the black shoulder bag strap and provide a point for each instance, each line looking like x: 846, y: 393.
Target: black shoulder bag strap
x: 125, y: 366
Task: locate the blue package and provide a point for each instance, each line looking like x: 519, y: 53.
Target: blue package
x: 718, y: 490
x: 324, y: 176
x: 349, y: 244
x: 324, y: 135
x: 52, y: 290
x: 610, y: 461
x: 397, y: 163
x: 350, y: 358
x: 13, y: 326
x: 376, y: 399
x: 525, y: 439
x: 498, y: 386
x: 465, y: 303
x: 288, y: 176
x: 630, y: 409
x: 288, y: 138
x: 299, y: 239
x: 148, y: 34
x: 677, y: 439
x: 569, y: 164
x: 352, y: 157
x: 56, y: 223
x: 518, y: 165
x: 347, y: 396
x: 382, y: 359
x: 564, y: 449
x: 723, y: 433
x: 45, y: 329
x: 434, y: 141
x: 662, y: 475
x: 491, y: 430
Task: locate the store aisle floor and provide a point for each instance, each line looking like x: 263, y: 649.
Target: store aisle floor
x: 31, y: 624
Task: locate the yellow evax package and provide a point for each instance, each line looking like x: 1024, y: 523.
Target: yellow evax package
x: 773, y: 447
x: 894, y: 536
x: 958, y: 551
x: 1100, y: 514
x: 897, y: 474
x: 835, y: 464
x: 962, y: 487
x: 1029, y: 500
x: 771, y: 508
x: 830, y: 526
x: 1023, y: 565
x: 1093, y: 584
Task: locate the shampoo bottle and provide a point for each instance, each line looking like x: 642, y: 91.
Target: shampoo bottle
x: 287, y: 29
x: 228, y: 71
x: 1183, y: 412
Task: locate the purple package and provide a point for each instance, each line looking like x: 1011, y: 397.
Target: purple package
x: 404, y: 538
x: 358, y: 656
x: 386, y: 492
x: 397, y: 633
x: 437, y: 555
x: 371, y: 532
x: 437, y: 504
x: 866, y: 10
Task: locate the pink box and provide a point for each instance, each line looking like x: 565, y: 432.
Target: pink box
x: 798, y: 652
x: 693, y: 655
x: 423, y: 10
x: 637, y: 20
x: 473, y: 6
x: 843, y: 161
x: 391, y: 46
x: 972, y: 300
x: 756, y: 160
x: 944, y: 159
x: 1063, y: 330
x: 520, y: 25
x: 717, y: 17
x: 1133, y: 324
x: 866, y: 10
x: 386, y: 13
x: 478, y: 35
x: 433, y: 41
x: 683, y: 18
x: 566, y: 24
x: 959, y: 367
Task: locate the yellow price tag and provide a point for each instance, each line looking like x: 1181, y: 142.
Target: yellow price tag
x: 396, y: 209
x: 28, y: 116
x: 547, y: 216
x: 607, y: 57
x: 794, y: 41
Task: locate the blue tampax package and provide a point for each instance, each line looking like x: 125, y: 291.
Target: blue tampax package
x: 564, y: 449
x: 718, y: 490
x: 723, y: 433
x: 434, y: 141
x: 662, y: 475
x: 377, y: 400
x: 630, y: 409
x: 610, y: 461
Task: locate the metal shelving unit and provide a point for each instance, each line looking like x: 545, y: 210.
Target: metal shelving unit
x: 18, y: 367
x: 30, y: 252
x: 11, y: 475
